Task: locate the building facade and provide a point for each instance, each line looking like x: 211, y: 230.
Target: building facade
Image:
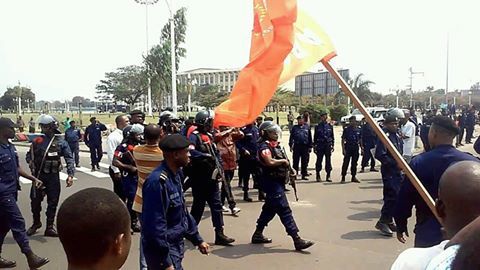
x: 224, y: 78
x: 318, y: 83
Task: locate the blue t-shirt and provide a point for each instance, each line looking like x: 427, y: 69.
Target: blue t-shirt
x: 8, y: 169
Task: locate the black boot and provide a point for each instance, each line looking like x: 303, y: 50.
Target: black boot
x: 301, y: 244
x: 355, y: 180
x: 343, y: 179
x: 259, y: 238
x: 261, y: 195
x: 33, y: 229
x: 50, y: 231
x: 384, y: 228
x: 246, y: 197
x: 319, y: 178
x: 221, y: 239
x: 329, y: 179
x: 362, y: 170
x: 6, y: 263
x: 373, y: 169
x: 34, y: 261
x: 93, y: 168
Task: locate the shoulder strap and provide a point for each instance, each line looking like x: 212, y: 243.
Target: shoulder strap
x: 163, y: 179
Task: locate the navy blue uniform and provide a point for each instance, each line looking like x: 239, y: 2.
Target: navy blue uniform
x: 324, y: 141
x: 427, y: 230
x: 93, y: 139
x: 301, y: 143
x: 48, y: 172
x: 73, y: 136
x: 165, y: 220
x: 272, y: 181
x: 351, y: 139
x: 424, y: 132
x: 391, y: 175
x: 247, y: 162
x: 129, y: 179
x: 470, y: 126
x: 369, y: 140
x: 204, y: 188
x: 10, y: 216
x: 462, y: 118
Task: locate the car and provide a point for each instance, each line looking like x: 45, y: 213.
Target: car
x: 378, y: 114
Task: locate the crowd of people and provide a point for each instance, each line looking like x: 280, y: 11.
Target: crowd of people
x: 152, y: 166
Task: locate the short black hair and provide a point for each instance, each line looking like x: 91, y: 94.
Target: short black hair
x: 73, y: 121
x: 88, y: 223
x: 352, y: 118
x: 445, y: 125
x: 152, y: 132
x: 118, y: 118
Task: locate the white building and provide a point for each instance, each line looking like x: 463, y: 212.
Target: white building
x: 224, y: 78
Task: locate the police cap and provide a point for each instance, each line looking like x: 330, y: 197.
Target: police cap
x: 446, y: 123
x: 134, y: 112
x: 6, y: 123
x: 390, y: 119
x: 173, y: 143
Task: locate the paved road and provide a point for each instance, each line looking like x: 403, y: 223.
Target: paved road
x: 340, y: 218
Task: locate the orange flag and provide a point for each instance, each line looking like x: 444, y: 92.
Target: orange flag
x: 272, y: 41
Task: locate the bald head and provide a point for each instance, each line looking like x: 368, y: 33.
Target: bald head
x: 152, y: 134
x: 458, y: 196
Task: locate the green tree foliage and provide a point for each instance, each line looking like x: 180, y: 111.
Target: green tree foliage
x: 337, y: 111
x: 314, y: 110
x: 158, y: 60
x: 283, y: 97
x: 9, y: 99
x: 209, y: 96
x: 126, y: 84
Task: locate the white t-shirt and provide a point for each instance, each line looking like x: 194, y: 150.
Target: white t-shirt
x: 444, y: 260
x: 408, y: 144
x: 113, y: 141
x: 417, y: 258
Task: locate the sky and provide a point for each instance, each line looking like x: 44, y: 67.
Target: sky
x: 62, y: 48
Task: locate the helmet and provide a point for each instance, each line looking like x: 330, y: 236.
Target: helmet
x: 132, y: 129
x: 393, y: 115
x: 166, y: 117
x: 45, y: 119
x: 269, y: 126
x: 204, y: 117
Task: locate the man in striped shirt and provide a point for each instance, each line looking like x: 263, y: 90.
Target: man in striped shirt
x: 147, y: 158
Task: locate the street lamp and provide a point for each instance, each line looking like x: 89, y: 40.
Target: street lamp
x: 469, y: 98
x: 411, y: 83
x: 149, y: 93
x: 172, y: 54
x: 192, y: 83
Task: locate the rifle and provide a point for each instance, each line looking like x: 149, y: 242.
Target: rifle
x: 291, y: 176
x: 220, y: 170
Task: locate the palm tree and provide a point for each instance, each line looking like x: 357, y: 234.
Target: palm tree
x: 361, y: 87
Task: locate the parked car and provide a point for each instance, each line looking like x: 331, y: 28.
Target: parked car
x: 378, y: 114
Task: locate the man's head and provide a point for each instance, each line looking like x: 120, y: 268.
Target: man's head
x: 406, y: 118
x: 442, y: 131
x: 204, y: 120
x: 412, y: 111
x: 353, y: 121
x: 122, y: 121
x: 169, y: 122
x: 7, y: 129
x: 152, y: 134
x: 93, y: 120
x: 300, y: 120
x: 175, y: 150
x: 48, y: 124
x: 270, y: 131
x: 94, y: 229
x: 133, y: 134
x: 259, y: 121
x: 137, y: 117
x: 391, y: 123
x: 323, y: 116
x: 72, y: 124
x: 458, y: 196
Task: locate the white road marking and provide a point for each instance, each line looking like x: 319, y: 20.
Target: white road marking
x: 94, y: 174
x: 104, y: 165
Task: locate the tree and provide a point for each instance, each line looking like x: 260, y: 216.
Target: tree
x: 361, y: 88
x: 158, y: 60
x: 209, y: 96
x: 9, y: 100
x: 475, y: 87
x: 283, y: 97
x: 77, y: 99
x: 127, y: 84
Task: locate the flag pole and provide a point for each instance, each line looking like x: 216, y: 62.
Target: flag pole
x: 382, y: 136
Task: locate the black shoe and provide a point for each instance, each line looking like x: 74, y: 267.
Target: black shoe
x: 384, y: 229
x: 98, y: 167
x: 34, y: 261
x: 222, y: 240
x: 93, y: 168
x: 362, y: 170
x: 319, y: 178
x: 78, y: 165
x: 246, y: 197
x: 301, y: 244
x: 305, y: 177
x: 392, y: 227
x: 355, y: 180
x: 261, y: 196
x: 259, y: 238
x: 343, y: 179
x: 135, y: 227
x: 286, y: 189
x: 373, y: 170
x: 6, y: 263
x: 51, y: 231
x: 33, y: 229
x: 329, y: 179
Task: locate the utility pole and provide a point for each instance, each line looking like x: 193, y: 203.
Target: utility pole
x: 412, y: 73
x: 448, y: 56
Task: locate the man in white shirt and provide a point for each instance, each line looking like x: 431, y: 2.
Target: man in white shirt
x: 115, y: 139
x: 408, y: 136
x: 457, y: 206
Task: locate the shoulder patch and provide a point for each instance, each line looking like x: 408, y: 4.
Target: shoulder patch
x: 195, y: 132
x: 163, y: 176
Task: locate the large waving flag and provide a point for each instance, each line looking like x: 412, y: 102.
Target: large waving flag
x: 281, y: 48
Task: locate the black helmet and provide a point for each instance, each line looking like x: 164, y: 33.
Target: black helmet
x: 204, y: 117
x: 268, y: 126
x: 132, y: 129
x: 166, y: 118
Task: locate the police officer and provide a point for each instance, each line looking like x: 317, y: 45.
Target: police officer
x: 426, y: 123
x: 369, y: 139
x: 10, y: 215
x: 165, y: 219
x: 137, y: 117
x: 427, y: 229
x: 300, y: 143
x: 123, y: 159
x: 391, y: 174
x: 350, y: 146
x: 73, y: 136
x: 204, y: 176
x: 461, y: 119
x: 44, y: 159
x: 247, y: 149
x: 324, y: 142
x: 169, y: 123
x: 470, y: 125
x: 93, y: 139
x: 274, y: 170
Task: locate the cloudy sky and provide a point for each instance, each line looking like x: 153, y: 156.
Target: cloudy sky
x: 62, y: 48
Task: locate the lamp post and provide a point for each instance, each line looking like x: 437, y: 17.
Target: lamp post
x: 149, y: 92
x: 172, y: 54
x: 191, y: 83
x: 469, y: 98
x: 411, y: 84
